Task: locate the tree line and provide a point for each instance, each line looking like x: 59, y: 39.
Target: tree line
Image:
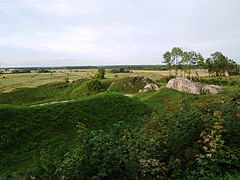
x: 217, y: 64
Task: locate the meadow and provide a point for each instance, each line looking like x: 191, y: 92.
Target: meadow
x: 34, y: 79
x: 99, y: 133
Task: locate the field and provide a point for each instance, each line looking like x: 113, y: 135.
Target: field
x: 34, y: 79
x: 51, y: 128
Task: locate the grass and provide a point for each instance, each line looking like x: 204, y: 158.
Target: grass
x: 26, y: 132
x: 50, y: 92
x: 129, y: 84
x: 158, y: 99
x: 227, y: 176
x: 68, y: 91
x: 31, y: 80
x: 164, y: 98
x: 221, y: 81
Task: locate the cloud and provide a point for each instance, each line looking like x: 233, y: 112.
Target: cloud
x: 116, y: 31
x: 67, y: 7
x: 80, y: 40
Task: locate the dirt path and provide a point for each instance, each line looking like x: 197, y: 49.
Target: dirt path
x: 64, y: 101
x: 53, y: 102
x: 128, y: 95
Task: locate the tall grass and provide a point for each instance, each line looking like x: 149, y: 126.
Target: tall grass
x: 26, y: 132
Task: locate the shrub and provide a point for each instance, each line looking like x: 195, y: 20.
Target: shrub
x: 100, y: 155
x: 217, y: 81
x: 100, y: 74
x: 119, y: 70
x: 165, y: 79
x: 95, y: 86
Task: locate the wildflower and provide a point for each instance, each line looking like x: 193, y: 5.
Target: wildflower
x: 178, y: 160
x: 218, y: 127
x: 205, y: 148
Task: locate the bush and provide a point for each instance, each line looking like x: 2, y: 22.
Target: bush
x: 100, y: 74
x: 198, y: 141
x: 100, y: 155
x: 119, y: 70
x: 95, y: 86
x: 217, y: 81
x: 129, y: 84
x: 165, y: 79
x: 219, y: 144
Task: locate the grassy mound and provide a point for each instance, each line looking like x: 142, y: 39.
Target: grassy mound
x: 129, y: 84
x: 65, y: 91
x: 161, y: 99
x: 26, y: 132
x: 54, y: 91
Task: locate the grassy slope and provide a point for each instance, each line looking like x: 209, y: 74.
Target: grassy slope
x: 27, y: 131
x: 49, y: 92
x: 58, y: 137
x: 34, y: 79
x: 65, y: 91
x: 165, y: 97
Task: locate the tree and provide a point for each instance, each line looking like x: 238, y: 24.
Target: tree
x: 177, y: 55
x: 195, y: 60
x: 232, y: 68
x: 173, y: 58
x: 168, y: 60
x: 220, y: 63
x: 100, y: 74
x: 200, y: 61
x: 209, y: 66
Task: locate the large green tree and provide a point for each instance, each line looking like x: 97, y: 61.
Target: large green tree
x: 173, y: 58
x: 177, y: 55
x: 167, y: 59
x: 191, y: 60
x: 209, y: 66
x: 178, y: 58
x: 233, y: 68
x: 219, y: 64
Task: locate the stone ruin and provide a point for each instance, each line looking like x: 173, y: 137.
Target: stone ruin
x: 185, y: 85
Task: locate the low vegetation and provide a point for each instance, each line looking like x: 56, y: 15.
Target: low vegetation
x: 26, y: 132
x: 162, y: 134
x: 129, y: 84
x: 120, y: 70
x: 54, y: 92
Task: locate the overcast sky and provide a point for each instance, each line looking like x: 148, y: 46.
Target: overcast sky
x: 107, y: 32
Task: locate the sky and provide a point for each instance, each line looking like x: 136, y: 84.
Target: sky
x: 114, y: 32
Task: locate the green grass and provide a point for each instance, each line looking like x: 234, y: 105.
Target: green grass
x: 234, y: 176
x: 161, y: 99
x: 26, y: 132
x: 129, y: 84
x: 221, y: 81
x: 31, y: 80
x: 66, y: 91
x: 50, y: 92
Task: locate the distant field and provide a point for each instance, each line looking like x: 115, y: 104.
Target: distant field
x: 13, y: 81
